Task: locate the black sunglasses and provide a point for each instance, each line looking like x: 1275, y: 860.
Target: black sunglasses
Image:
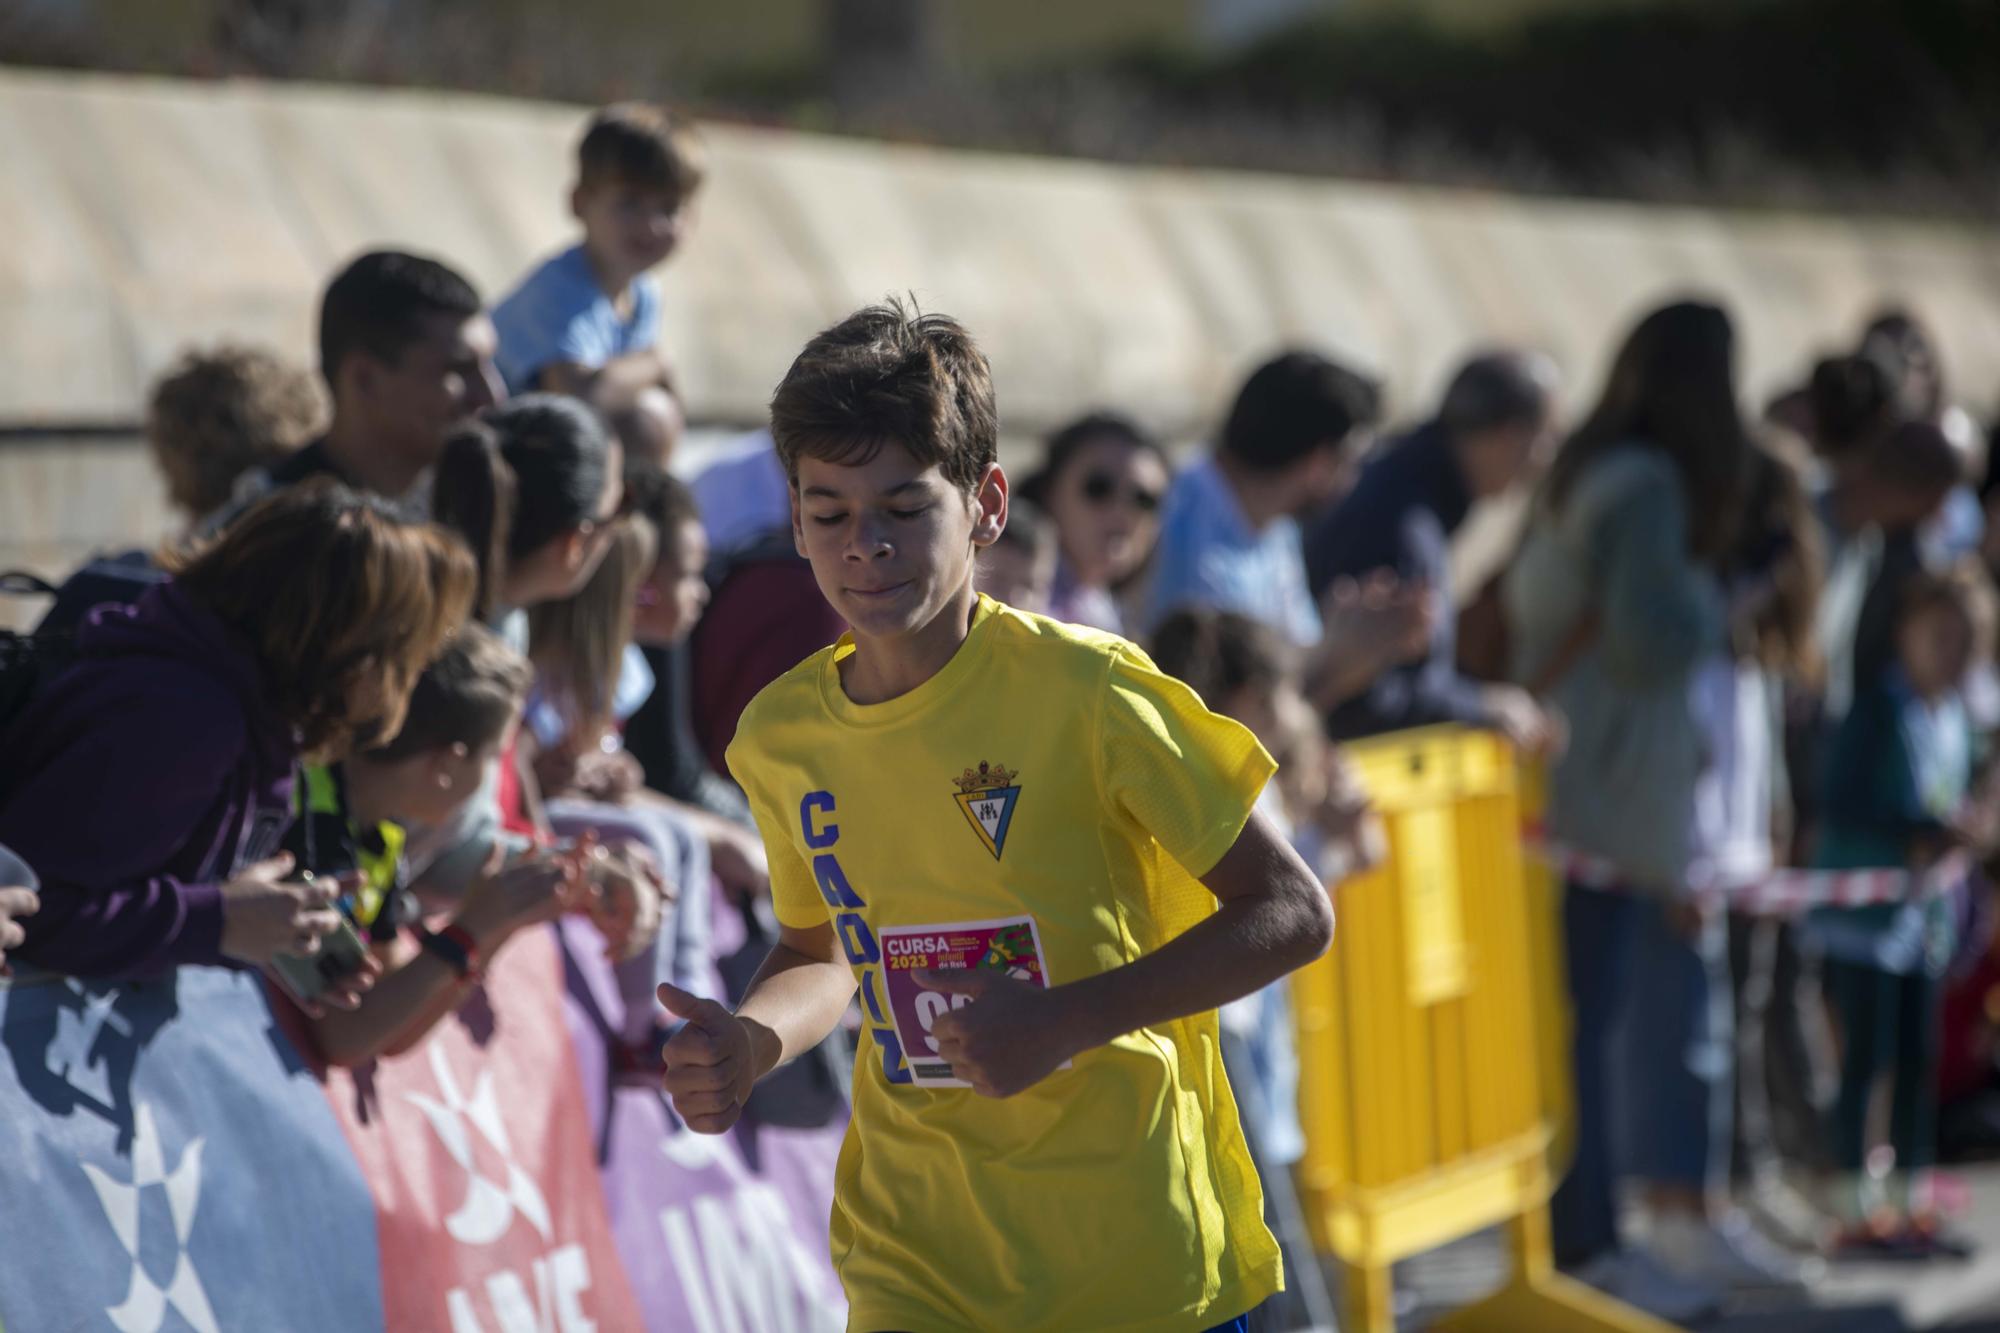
x: 1102, y: 488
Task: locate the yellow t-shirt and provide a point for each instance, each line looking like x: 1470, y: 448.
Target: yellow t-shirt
x: 1045, y: 803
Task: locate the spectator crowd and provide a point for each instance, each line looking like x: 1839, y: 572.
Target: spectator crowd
x: 454, y: 637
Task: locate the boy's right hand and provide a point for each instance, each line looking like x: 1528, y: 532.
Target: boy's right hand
x: 710, y: 1066
x: 264, y: 914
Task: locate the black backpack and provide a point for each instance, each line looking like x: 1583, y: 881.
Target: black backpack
x: 30, y: 660
x: 27, y: 660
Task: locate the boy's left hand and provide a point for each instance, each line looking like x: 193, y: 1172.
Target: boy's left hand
x: 1009, y: 1038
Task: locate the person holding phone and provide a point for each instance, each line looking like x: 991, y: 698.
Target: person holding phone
x: 151, y: 781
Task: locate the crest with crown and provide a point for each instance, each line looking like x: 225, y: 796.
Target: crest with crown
x: 987, y: 777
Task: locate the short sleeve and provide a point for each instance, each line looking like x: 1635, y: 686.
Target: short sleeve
x: 1181, y: 774
x: 795, y: 897
x: 555, y: 317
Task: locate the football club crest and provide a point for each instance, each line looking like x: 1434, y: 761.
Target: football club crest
x: 987, y: 795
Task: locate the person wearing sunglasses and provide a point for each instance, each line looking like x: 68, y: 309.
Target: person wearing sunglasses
x: 1101, y: 483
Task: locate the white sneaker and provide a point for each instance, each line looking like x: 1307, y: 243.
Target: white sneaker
x: 1634, y: 1277
x: 1731, y: 1256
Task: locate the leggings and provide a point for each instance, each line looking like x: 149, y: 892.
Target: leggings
x: 1888, y: 1022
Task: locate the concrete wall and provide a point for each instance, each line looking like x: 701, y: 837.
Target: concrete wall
x: 138, y: 215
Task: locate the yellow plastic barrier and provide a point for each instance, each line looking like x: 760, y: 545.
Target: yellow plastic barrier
x: 1434, y: 1082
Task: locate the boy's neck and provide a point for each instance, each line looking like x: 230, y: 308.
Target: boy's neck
x: 612, y: 279
x: 356, y: 454
x: 879, y: 670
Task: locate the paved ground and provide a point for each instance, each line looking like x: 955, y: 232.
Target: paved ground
x: 1852, y: 1298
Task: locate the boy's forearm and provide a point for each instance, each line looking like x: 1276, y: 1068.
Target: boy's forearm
x: 1248, y: 944
x: 792, y: 1004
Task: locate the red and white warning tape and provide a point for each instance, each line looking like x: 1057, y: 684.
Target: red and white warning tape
x: 1784, y: 892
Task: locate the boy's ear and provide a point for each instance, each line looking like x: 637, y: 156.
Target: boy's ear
x: 576, y: 196
x: 989, y: 506
x: 798, y: 526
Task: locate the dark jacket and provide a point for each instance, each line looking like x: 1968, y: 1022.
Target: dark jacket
x: 1400, y: 517
x: 149, y: 773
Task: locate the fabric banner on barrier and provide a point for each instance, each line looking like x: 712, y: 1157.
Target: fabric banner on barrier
x: 721, y: 1234
x: 486, y: 1193
x: 171, y: 1163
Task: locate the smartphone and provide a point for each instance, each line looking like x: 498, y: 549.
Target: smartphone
x: 341, y: 954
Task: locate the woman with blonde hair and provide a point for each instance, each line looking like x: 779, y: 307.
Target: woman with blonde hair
x: 150, y: 783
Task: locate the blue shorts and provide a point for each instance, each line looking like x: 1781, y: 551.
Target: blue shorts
x: 1240, y: 1324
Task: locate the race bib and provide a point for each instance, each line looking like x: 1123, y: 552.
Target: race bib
x: 1012, y: 946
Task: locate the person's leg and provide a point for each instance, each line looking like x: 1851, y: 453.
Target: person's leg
x: 1673, y: 1063
x: 1751, y: 960
x: 1597, y: 945
x: 1913, y: 1108
x: 1855, y: 991
x: 1305, y: 1302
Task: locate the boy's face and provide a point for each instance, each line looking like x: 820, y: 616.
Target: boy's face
x: 891, y: 541
x: 629, y: 228
x: 1935, y: 646
x: 672, y: 599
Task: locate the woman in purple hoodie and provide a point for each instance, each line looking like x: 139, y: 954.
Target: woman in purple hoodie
x: 150, y: 783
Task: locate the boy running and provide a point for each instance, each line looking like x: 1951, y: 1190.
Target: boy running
x: 1012, y: 836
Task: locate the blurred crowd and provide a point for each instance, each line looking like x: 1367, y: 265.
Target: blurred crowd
x: 456, y: 632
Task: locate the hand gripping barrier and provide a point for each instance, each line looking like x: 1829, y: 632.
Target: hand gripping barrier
x: 1434, y: 1073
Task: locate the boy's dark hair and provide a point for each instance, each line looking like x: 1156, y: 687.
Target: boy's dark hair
x: 662, y: 499
x: 1296, y: 403
x: 378, y: 303
x: 1218, y: 653
x: 1916, y: 456
x: 642, y: 144
x: 1496, y: 389
x: 1028, y: 528
x: 889, y: 373
x: 467, y: 696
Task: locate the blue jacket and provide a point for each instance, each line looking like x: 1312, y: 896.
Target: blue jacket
x: 1400, y: 517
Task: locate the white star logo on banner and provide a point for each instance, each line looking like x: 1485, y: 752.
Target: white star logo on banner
x: 488, y: 1210
x: 146, y: 1303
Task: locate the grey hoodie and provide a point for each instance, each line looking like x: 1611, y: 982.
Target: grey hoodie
x: 1624, y: 789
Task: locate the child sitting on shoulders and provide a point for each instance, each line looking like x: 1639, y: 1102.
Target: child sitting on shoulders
x: 587, y: 322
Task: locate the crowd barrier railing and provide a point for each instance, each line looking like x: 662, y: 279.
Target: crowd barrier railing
x: 175, y: 1161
